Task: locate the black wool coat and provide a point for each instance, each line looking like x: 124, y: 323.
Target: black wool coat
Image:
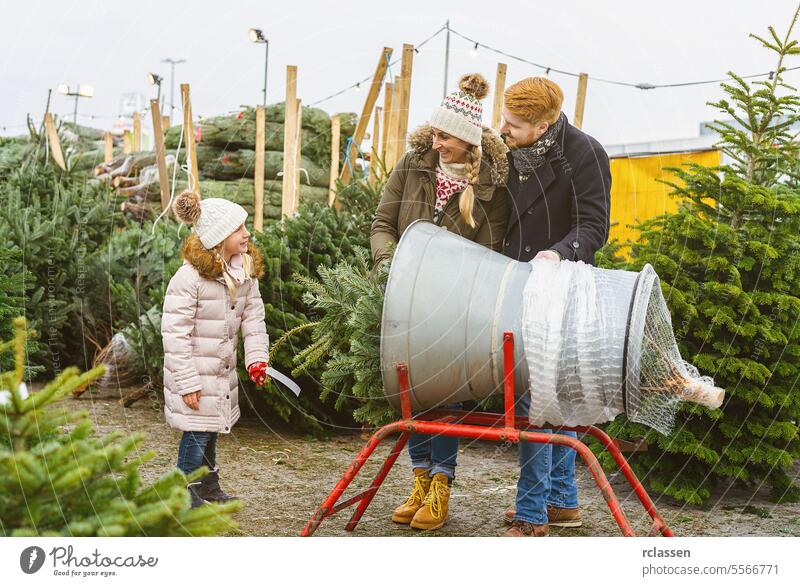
x: 565, y: 204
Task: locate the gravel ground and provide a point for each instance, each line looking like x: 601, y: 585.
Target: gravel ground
x: 282, y: 478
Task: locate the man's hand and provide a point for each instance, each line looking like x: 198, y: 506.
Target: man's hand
x: 548, y: 255
x: 192, y: 400
x: 258, y: 373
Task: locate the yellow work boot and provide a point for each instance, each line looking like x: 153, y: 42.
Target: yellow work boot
x: 405, y: 512
x: 433, y: 512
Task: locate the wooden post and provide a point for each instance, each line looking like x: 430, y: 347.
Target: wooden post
x: 391, y: 138
x: 188, y: 138
x: 366, y: 111
x: 126, y: 142
x: 336, y: 126
x: 289, y: 142
x: 297, y: 155
x: 165, y: 123
x: 374, y: 165
x: 403, y: 101
x: 109, y: 147
x: 55, y: 143
x: 161, y: 153
x: 499, y: 88
x: 580, y: 103
x: 258, y: 172
x: 387, y: 112
x: 137, y: 133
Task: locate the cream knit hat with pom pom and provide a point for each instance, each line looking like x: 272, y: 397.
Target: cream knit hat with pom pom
x: 461, y: 112
x: 213, y: 219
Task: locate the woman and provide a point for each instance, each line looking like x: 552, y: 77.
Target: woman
x: 454, y: 175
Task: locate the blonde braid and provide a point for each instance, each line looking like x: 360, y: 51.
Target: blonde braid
x: 472, y: 167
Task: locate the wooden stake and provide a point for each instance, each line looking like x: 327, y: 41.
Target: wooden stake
x: 580, y: 103
x: 165, y: 122
x: 191, y: 146
x: 336, y: 126
x: 289, y: 142
x: 297, y: 163
x: 108, y: 155
x: 499, y: 88
x: 391, y: 138
x: 366, y: 111
x: 374, y: 165
x: 404, y: 99
x: 387, y: 112
x: 161, y: 154
x: 137, y: 133
x: 258, y: 171
x: 126, y: 142
x: 55, y: 143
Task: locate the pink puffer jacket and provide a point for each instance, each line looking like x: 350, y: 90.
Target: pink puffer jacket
x: 200, y: 329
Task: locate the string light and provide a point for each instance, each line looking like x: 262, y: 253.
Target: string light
x: 548, y: 69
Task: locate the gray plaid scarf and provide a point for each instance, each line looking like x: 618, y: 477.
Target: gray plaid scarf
x: 529, y: 158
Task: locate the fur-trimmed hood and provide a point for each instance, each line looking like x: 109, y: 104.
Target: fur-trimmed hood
x: 494, y: 164
x: 209, y: 265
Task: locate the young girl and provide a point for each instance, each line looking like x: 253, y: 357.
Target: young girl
x: 212, y: 296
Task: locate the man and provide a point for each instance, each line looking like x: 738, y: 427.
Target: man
x: 560, y: 185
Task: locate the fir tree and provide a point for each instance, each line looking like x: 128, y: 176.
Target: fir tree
x: 346, y: 340
x: 58, y: 478
x: 729, y: 262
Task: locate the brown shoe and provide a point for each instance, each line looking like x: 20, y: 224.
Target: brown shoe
x: 524, y: 529
x: 557, y: 517
x: 405, y: 512
x: 433, y: 512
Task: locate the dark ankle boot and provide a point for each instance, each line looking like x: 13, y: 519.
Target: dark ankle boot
x: 211, y: 490
x: 196, y: 494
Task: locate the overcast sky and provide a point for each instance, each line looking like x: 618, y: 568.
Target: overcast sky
x: 113, y: 45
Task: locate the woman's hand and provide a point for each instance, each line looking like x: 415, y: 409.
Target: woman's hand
x: 192, y: 400
x: 258, y: 373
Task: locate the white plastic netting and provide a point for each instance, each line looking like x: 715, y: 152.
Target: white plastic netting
x: 595, y: 348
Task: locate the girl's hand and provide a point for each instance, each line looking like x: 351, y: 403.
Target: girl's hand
x: 192, y: 400
x: 258, y: 373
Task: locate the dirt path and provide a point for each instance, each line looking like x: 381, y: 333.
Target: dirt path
x: 282, y: 478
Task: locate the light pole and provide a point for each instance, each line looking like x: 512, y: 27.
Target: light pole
x: 156, y: 79
x: 82, y: 91
x: 172, y: 63
x: 257, y: 36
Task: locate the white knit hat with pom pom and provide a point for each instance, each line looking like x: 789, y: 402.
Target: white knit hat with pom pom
x: 213, y: 219
x: 461, y: 113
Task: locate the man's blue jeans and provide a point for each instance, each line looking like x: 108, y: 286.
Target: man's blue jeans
x: 435, y: 453
x: 546, y: 475
x: 197, y: 448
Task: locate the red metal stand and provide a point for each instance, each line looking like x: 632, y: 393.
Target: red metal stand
x: 485, y: 426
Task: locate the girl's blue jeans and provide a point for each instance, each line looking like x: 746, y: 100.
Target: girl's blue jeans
x: 435, y: 453
x: 546, y: 475
x: 197, y: 448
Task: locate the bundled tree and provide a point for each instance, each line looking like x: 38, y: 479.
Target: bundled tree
x: 58, y: 478
x: 729, y: 262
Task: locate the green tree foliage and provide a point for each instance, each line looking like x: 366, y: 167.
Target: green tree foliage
x: 729, y: 262
x: 59, y: 478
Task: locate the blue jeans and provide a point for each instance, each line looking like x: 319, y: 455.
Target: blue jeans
x: 197, y: 448
x: 435, y: 453
x: 546, y: 475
